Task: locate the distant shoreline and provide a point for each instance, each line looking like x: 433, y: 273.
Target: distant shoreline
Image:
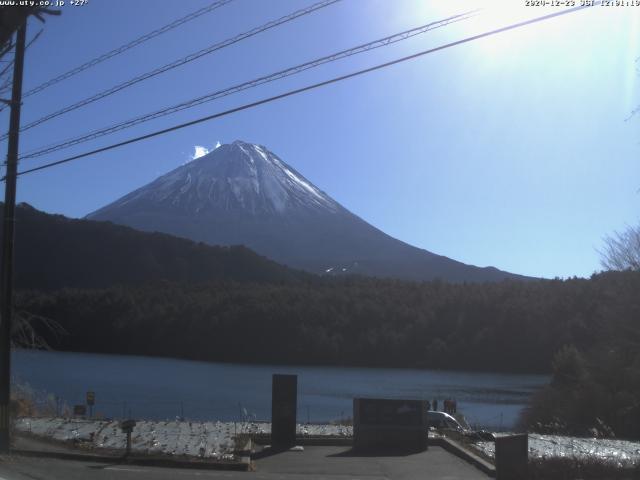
x: 296, y: 363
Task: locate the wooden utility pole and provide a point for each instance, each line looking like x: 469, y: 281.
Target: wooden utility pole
x: 6, y: 275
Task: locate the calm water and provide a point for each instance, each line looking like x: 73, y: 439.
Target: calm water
x: 158, y: 388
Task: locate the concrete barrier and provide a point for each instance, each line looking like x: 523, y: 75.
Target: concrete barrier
x: 389, y: 425
x: 512, y: 457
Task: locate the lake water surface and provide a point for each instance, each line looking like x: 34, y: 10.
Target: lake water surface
x: 160, y: 388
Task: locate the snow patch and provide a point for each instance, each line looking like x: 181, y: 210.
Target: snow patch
x: 298, y: 180
x: 187, y: 184
x: 618, y: 452
x: 196, y: 439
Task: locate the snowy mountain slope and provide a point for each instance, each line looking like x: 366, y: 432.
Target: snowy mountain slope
x: 238, y: 177
x: 242, y: 193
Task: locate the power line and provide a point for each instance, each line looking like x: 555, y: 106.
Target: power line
x: 305, y: 89
x: 182, y: 61
x: 127, y: 46
x: 7, y: 85
x: 249, y: 84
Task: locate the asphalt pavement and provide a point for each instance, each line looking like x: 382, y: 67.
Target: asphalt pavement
x: 314, y: 463
x: 338, y: 462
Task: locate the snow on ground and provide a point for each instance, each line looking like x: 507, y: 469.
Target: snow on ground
x: 198, y: 439
x: 619, y: 452
x: 216, y: 439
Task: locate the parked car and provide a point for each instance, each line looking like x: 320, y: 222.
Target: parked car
x: 442, y: 420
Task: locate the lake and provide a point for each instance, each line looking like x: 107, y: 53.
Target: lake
x: 161, y: 388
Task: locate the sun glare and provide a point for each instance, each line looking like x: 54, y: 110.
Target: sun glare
x: 490, y: 15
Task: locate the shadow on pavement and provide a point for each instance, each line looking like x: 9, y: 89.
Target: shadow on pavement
x: 375, y: 453
x: 106, y: 465
x: 268, y: 452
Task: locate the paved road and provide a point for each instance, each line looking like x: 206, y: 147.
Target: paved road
x: 338, y: 462
x: 315, y: 463
x: 28, y: 468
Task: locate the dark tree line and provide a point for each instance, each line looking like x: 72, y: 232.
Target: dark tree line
x: 117, y: 290
x: 508, y: 326
x: 54, y: 252
x: 595, y: 388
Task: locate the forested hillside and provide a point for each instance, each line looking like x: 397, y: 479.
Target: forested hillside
x: 53, y: 251
x: 508, y: 326
x: 595, y: 387
x: 116, y: 290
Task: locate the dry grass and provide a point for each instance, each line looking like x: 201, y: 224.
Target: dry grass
x: 26, y: 401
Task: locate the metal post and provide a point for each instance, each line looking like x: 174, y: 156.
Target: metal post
x: 6, y: 278
x: 128, y: 452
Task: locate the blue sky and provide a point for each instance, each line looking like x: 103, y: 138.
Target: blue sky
x: 511, y: 151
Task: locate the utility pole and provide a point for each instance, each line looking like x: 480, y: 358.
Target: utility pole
x: 6, y: 275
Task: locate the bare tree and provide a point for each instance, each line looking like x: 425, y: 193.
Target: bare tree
x: 25, y: 333
x: 622, y: 250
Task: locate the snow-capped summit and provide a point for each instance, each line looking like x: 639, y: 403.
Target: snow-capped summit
x: 234, y: 177
x: 241, y: 193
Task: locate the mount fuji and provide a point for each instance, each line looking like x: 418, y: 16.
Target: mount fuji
x: 241, y: 193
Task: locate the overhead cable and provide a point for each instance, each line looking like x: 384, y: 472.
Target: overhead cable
x: 127, y: 46
x: 247, y: 85
x: 178, y: 63
x: 305, y: 89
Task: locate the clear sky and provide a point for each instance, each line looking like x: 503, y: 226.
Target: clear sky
x: 511, y: 151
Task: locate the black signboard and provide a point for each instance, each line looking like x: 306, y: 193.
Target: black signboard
x: 79, y: 410
x: 284, y: 401
x: 386, y: 425
x: 512, y: 457
x: 127, y: 425
x: 391, y: 412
